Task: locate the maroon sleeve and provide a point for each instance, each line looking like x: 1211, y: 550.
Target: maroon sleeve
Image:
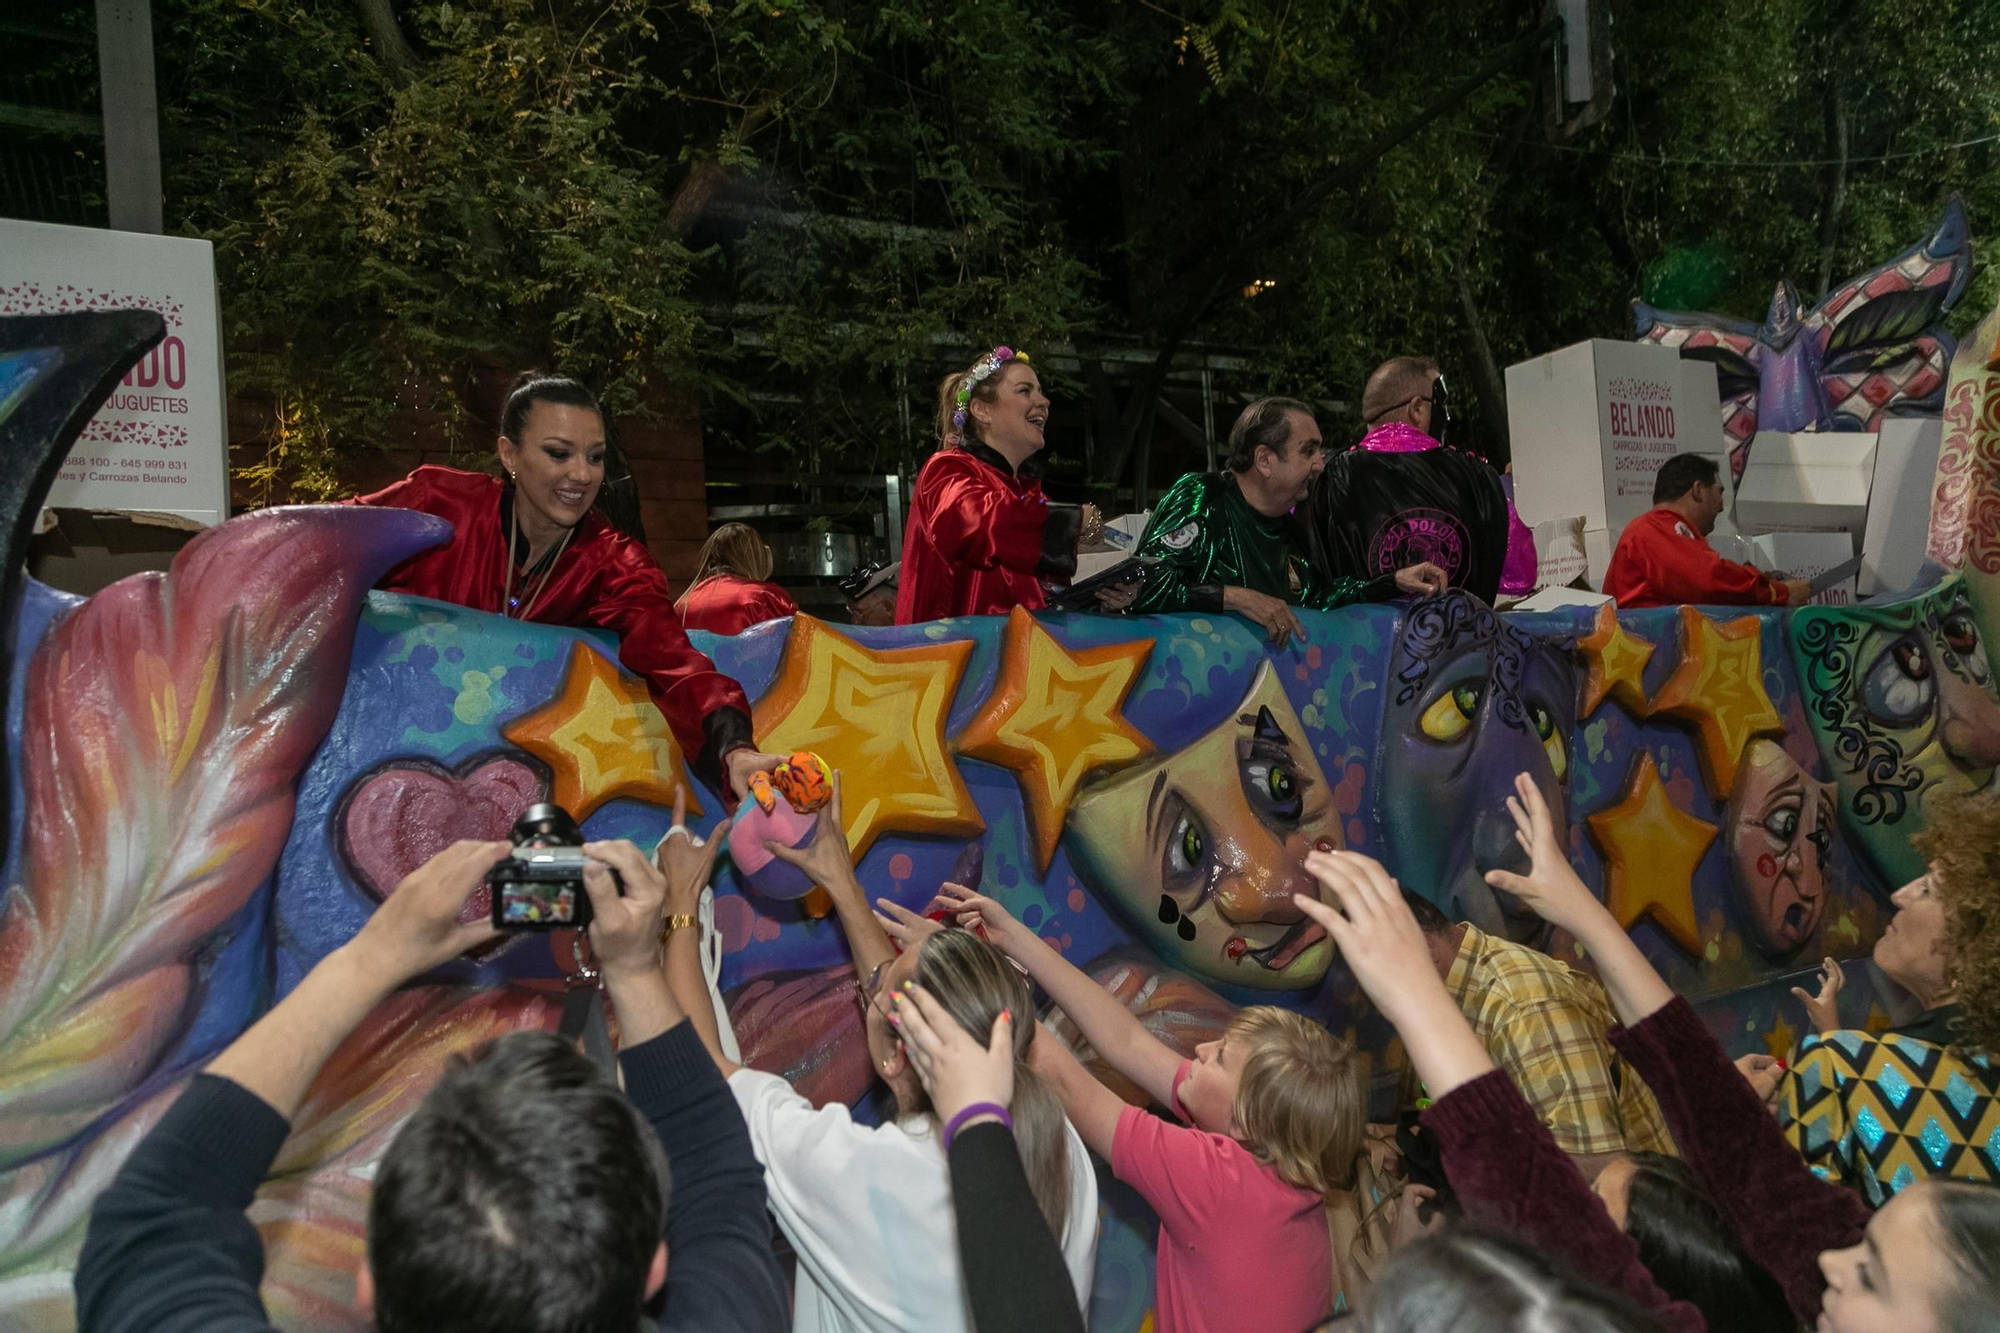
x: 634, y: 602
x: 1783, y: 1214
x: 1510, y: 1177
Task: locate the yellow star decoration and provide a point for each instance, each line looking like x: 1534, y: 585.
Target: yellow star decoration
x: 1718, y: 685
x: 603, y: 738
x: 1615, y: 664
x: 1052, y: 717
x: 877, y: 717
x: 1651, y: 850
x: 1778, y: 1041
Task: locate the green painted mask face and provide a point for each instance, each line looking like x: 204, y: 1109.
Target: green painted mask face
x: 1904, y: 706
x: 1202, y: 849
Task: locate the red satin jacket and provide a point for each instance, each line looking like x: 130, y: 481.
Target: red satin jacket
x: 602, y: 580
x: 1661, y: 561
x: 981, y: 539
x: 726, y: 604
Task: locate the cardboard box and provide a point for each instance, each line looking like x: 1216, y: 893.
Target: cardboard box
x: 1597, y: 549
x: 1899, y: 504
x: 1559, y: 555
x: 1807, y: 555
x: 1812, y: 481
x: 1592, y: 423
x: 80, y: 552
x: 1129, y: 526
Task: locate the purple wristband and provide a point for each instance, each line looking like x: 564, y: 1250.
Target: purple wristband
x: 976, y: 1109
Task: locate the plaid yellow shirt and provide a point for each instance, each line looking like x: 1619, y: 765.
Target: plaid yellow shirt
x: 1545, y: 1023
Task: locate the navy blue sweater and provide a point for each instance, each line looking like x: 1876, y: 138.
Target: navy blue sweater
x: 170, y: 1251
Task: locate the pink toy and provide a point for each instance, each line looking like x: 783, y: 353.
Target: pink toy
x: 783, y: 825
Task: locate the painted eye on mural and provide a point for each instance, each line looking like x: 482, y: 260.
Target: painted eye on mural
x: 1274, y: 789
x: 1272, y: 783
x: 1187, y: 847
x: 1961, y: 635
x: 1783, y: 824
x: 1898, y: 689
x: 1451, y: 715
x: 1552, y: 743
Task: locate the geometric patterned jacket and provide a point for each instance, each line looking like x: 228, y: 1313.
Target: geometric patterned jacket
x: 1878, y: 1111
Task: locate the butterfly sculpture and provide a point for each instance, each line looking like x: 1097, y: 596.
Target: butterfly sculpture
x: 1875, y: 346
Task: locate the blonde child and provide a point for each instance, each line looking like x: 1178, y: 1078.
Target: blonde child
x: 1273, y: 1122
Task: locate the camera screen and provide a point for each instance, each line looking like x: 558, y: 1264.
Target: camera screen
x: 543, y: 903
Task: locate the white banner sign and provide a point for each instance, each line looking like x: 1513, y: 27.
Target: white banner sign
x: 161, y: 444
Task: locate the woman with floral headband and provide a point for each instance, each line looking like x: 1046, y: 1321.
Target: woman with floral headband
x: 982, y: 538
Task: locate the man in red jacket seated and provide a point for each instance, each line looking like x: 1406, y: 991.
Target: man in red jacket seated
x: 1664, y: 559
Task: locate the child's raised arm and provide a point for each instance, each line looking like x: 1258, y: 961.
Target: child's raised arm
x: 1105, y: 1023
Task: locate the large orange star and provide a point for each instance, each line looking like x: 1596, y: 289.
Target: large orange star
x: 877, y: 716
x: 603, y: 738
x: 1651, y: 849
x: 1718, y: 685
x: 1615, y: 664
x: 1054, y: 716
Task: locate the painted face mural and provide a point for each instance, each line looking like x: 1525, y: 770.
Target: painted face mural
x: 1781, y: 826
x: 1202, y: 849
x: 1471, y: 702
x: 1903, y: 702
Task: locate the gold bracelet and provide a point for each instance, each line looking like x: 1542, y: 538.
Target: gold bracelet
x: 678, y: 921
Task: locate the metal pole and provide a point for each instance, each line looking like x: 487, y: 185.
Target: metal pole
x: 1208, y: 411
x: 131, y: 114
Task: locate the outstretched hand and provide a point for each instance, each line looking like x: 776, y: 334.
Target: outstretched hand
x: 1824, y: 1008
x: 904, y: 928
x: 826, y: 860
x: 1373, y: 928
x: 955, y: 1069
x: 986, y: 917
x: 1550, y: 887
x: 1385, y: 949
x: 685, y: 860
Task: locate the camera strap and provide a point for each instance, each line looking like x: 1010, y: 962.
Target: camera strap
x: 583, y: 1017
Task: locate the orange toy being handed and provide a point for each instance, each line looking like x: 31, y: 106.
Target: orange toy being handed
x: 804, y: 780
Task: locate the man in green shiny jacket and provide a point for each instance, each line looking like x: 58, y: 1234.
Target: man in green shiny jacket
x: 1228, y: 541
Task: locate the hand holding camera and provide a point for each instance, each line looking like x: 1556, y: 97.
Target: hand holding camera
x: 417, y: 927
x: 540, y: 885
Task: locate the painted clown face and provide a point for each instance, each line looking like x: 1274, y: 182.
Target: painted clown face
x: 1905, y: 707
x: 1202, y: 849
x: 1781, y: 823
x: 1472, y: 702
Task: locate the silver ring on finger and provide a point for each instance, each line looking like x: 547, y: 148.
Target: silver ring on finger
x: 683, y: 830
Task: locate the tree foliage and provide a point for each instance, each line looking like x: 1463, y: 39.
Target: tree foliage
x: 811, y: 210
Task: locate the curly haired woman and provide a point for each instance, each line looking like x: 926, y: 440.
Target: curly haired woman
x: 1882, y: 1110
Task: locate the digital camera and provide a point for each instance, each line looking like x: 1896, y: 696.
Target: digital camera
x: 540, y: 886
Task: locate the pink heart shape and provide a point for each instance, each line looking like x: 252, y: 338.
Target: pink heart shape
x: 401, y: 815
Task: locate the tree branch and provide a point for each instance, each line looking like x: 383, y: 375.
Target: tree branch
x: 398, y: 57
